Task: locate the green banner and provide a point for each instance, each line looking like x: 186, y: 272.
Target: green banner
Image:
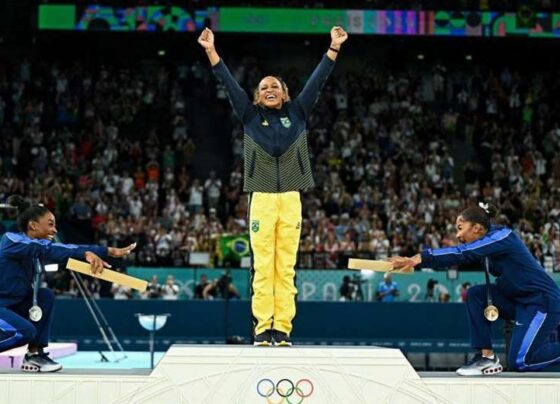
x: 280, y: 20
x: 57, y: 16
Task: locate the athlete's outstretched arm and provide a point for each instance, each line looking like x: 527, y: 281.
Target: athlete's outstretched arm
x: 308, y: 96
x: 494, y: 244
x: 17, y: 245
x: 237, y: 96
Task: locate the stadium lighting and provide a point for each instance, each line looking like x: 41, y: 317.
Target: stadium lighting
x: 420, y: 56
x: 161, y: 52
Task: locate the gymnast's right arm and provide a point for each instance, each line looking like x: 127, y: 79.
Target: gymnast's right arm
x: 17, y: 245
x: 238, y: 97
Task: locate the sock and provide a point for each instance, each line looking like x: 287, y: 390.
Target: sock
x: 489, y: 357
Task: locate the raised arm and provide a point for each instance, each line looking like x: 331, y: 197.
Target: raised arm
x: 310, y: 92
x: 338, y: 37
x: 237, y: 96
x: 206, y: 40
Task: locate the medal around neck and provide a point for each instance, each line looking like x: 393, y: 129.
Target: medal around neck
x: 35, y: 313
x: 491, y: 313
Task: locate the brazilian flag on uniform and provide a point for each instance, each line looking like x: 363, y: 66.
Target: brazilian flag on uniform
x: 233, y: 247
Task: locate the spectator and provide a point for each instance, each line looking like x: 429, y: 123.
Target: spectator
x: 346, y: 289
x: 444, y: 297
x: 199, y: 288
x: 153, y: 290
x: 430, y: 290
x: 387, y: 291
x: 213, y: 188
x: 80, y: 209
x: 195, y: 197
x: 94, y: 287
x: 170, y: 290
x: 464, y: 289
x: 121, y: 292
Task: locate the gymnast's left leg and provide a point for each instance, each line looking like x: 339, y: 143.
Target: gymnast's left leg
x: 36, y: 360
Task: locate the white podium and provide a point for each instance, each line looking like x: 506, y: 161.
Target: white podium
x: 236, y: 374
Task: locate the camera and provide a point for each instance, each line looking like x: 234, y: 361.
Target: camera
x: 353, y: 290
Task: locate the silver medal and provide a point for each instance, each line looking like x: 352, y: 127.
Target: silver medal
x: 35, y: 313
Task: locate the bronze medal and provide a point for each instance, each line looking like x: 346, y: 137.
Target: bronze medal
x: 491, y: 313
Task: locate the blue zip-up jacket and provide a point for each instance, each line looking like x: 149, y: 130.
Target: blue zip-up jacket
x: 17, y: 253
x: 519, y: 276
x: 276, y: 153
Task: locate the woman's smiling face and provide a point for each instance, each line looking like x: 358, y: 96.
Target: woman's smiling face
x: 270, y: 93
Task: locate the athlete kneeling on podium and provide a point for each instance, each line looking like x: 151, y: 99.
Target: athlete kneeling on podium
x: 20, y: 254
x: 523, y: 292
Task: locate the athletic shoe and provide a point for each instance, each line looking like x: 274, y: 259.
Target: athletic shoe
x: 263, y: 339
x: 39, y: 362
x: 281, y: 338
x: 480, y: 365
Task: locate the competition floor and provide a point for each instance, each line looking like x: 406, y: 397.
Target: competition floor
x: 93, y: 360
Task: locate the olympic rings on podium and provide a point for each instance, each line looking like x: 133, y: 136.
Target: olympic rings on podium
x: 285, y: 388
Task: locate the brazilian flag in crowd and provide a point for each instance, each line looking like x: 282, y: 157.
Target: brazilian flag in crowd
x: 233, y: 247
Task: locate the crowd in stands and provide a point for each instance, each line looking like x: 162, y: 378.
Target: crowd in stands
x: 397, y: 154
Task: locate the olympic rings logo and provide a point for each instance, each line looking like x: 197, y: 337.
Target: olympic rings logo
x: 285, y: 389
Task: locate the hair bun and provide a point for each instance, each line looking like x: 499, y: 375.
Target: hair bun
x: 18, y: 202
x: 489, y: 208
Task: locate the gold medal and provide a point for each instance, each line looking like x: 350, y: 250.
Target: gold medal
x: 491, y: 313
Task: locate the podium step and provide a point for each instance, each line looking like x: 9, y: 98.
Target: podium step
x: 246, y: 374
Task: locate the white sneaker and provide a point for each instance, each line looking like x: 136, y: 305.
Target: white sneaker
x: 480, y: 366
x: 39, y: 362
